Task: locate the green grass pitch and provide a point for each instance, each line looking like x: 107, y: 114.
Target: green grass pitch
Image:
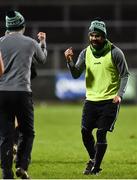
x: 58, y: 152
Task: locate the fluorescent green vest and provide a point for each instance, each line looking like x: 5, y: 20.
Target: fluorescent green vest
x: 102, y: 78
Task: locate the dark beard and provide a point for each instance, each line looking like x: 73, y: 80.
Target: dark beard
x: 98, y: 46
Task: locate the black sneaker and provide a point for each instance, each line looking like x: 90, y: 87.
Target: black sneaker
x: 95, y: 171
x: 88, y: 167
x: 22, y: 173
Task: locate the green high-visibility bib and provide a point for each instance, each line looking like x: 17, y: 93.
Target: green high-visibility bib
x: 102, y: 78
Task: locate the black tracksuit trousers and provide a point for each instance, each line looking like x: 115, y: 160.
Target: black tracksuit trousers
x: 16, y: 104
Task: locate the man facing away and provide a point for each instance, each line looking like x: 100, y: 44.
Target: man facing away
x: 16, y: 94
x: 106, y: 76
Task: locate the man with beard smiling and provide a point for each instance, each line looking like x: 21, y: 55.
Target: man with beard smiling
x: 106, y: 76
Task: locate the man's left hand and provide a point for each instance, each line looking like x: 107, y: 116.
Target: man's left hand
x: 117, y: 100
x: 42, y: 37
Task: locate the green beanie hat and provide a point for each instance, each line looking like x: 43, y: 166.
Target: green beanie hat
x: 98, y: 26
x: 14, y: 20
